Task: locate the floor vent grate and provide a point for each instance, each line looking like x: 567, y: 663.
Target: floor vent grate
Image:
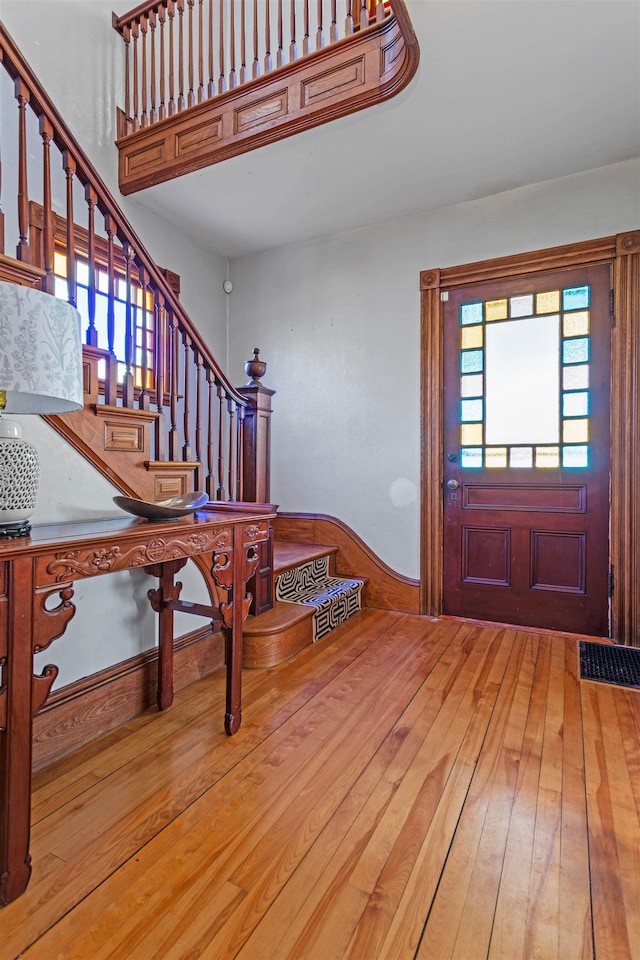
x: 610, y: 664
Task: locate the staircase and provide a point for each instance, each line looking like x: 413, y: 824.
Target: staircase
x: 310, y: 601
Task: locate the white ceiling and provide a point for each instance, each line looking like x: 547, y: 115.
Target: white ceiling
x: 508, y: 93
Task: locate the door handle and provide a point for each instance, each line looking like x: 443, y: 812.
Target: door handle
x: 452, y: 484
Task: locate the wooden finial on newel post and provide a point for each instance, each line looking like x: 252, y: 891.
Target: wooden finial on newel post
x: 256, y: 445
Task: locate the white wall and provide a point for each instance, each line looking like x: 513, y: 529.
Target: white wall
x: 338, y: 322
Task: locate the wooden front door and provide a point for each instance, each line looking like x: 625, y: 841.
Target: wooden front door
x: 526, y: 448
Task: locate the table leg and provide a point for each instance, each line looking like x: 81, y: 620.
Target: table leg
x: 15, y: 733
x: 161, y: 599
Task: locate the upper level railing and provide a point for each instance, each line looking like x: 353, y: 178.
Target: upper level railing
x: 180, y: 53
x: 71, y: 239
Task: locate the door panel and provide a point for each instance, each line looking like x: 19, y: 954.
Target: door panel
x: 526, y: 434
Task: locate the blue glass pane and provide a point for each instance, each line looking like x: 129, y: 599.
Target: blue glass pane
x: 470, y: 313
x: 577, y: 456
x: 575, y: 351
x: 575, y: 298
x: 575, y: 404
x: 471, y: 361
x: 471, y: 457
x: 471, y: 410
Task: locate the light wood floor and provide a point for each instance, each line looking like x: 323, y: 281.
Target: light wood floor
x: 406, y: 788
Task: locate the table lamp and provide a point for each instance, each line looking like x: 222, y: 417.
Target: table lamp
x: 40, y: 372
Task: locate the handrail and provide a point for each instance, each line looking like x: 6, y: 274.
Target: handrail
x: 132, y: 312
x: 166, y: 74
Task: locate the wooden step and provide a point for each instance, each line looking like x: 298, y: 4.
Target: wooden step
x: 277, y: 634
x: 287, y: 555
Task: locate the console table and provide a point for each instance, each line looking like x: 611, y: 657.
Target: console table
x: 44, y: 565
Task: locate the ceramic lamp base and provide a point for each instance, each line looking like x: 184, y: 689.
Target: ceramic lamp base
x: 19, y: 477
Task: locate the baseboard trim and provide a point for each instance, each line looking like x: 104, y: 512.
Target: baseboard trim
x: 90, y: 707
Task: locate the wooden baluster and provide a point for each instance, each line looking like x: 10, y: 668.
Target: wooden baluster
x: 143, y: 363
x: 181, y: 100
x: 348, y: 23
x: 334, y: 36
x: 243, y: 42
x: 144, y: 119
x: 255, y: 69
x: 200, y: 53
x: 46, y: 132
x: 220, y: 495
x: 126, y: 36
x: 134, y: 54
x: 306, y: 49
x: 231, y: 414
x: 111, y: 372
x: 91, y: 197
x: 23, y: 250
x: 162, y: 17
x: 293, y: 47
x: 198, y: 430
x: 1, y: 213
x: 174, y: 441
x: 128, y: 384
x: 210, y: 481
x: 380, y: 11
x: 222, y: 80
x: 191, y: 99
x: 153, y: 114
x: 186, y: 447
x: 320, y: 41
x: 160, y: 347
x: 171, y: 10
x: 364, y: 15
x: 239, y: 446
x: 268, y: 63
x: 211, y: 88
x: 69, y: 165
x: 280, y: 56
x: 232, y: 46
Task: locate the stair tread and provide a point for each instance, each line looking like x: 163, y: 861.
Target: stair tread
x: 281, y: 615
x: 287, y: 554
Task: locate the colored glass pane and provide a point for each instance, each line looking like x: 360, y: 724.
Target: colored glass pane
x: 521, y: 457
x: 471, y: 435
x: 471, y: 457
x: 575, y: 431
x: 472, y: 385
x: 575, y: 351
x: 471, y: 313
x: 575, y: 404
x: 471, y: 337
x: 495, y: 310
x: 522, y: 385
x: 521, y: 306
x: 548, y: 302
x: 495, y: 456
x: 547, y: 457
x: 59, y: 264
x: 575, y: 456
x: 576, y: 378
x: 575, y: 298
x: 575, y: 324
x: 471, y: 361
x: 471, y: 410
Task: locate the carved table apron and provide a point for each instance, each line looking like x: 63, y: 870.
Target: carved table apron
x: 45, y: 564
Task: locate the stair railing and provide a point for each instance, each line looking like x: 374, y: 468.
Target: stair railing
x: 182, y: 52
x: 152, y: 356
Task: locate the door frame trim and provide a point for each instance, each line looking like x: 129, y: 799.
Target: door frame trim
x: 623, y: 253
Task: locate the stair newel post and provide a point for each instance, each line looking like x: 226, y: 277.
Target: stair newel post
x: 23, y: 250
x: 46, y: 132
x: 186, y: 403
x: 210, y: 481
x: 91, y: 197
x: 198, y: 428
x: 256, y: 434
x: 128, y: 379
x: 220, y: 490
x: 111, y: 372
x: 159, y: 330
x: 69, y: 165
x: 143, y: 396
x: 174, y: 333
